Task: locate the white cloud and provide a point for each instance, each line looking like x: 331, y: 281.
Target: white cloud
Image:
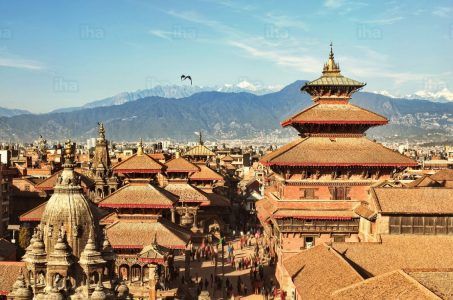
x: 384, y: 21
x: 443, y: 11
x: 163, y: 34
x: 333, y: 3
x: 284, y: 21
x: 20, y: 63
x: 300, y: 62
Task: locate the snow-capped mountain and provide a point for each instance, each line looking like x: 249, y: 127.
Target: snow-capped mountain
x: 178, y: 92
x: 443, y: 95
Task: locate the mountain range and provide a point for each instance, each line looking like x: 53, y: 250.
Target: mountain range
x: 223, y: 115
x: 176, y: 91
x: 9, y: 112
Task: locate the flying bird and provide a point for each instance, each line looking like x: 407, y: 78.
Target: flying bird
x: 184, y: 77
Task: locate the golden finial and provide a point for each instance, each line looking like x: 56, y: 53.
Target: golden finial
x: 331, y: 67
x: 140, y: 147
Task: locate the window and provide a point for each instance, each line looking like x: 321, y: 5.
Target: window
x: 395, y: 225
x: 339, y: 238
x: 27, y: 188
x: 339, y: 193
x: 307, y: 193
x: 406, y: 225
x: 309, y: 242
x: 417, y: 225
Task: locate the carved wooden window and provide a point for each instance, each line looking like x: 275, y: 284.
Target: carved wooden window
x: 339, y: 238
x: 339, y: 193
x: 417, y: 225
x: 395, y: 225
x: 307, y: 193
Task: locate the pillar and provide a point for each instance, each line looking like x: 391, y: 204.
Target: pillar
x: 152, y: 282
x: 173, y: 218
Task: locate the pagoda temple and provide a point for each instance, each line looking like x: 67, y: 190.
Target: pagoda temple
x: 323, y: 175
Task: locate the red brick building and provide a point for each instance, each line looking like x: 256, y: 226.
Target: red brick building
x: 323, y: 175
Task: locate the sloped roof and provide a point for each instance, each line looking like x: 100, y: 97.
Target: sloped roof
x: 7, y: 249
x: 413, y: 200
x: 199, y: 150
x: 139, y: 195
x: 323, y: 113
x: 443, y: 175
x: 437, y: 281
x: 338, y: 80
x: 33, y: 215
x: 206, y: 173
x: 50, y: 182
x: 138, y: 163
x: 187, y: 192
x: 227, y: 158
x: 138, y: 234
x: 424, y: 181
x: 365, y: 212
x: 9, y: 270
x: 393, y: 285
x: 319, y: 271
x: 217, y: 200
x: 407, y: 252
x: 180, y: 164
x: 341, y: 151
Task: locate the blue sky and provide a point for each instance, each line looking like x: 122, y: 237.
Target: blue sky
x: 66, y: 53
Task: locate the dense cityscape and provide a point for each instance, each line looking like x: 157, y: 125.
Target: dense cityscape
x: 331, y: 214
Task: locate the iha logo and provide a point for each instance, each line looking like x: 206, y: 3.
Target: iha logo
x: 6, y: 33
x: 62, y: 85
x: 367, y: 32
x: 91, y: 32
x: 184, y: 33
x: 273, y: 32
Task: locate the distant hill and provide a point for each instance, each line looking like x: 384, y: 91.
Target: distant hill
x: 9, y: 112
x: 223, y: 116
x: 174, y: 91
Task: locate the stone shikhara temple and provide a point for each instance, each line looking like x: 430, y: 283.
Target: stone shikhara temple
x: 322, y: 176
x: 68, y: 256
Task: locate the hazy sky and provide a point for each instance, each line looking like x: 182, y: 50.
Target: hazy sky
x: 66, y: 53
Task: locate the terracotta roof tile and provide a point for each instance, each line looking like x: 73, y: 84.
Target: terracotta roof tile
x: 180, y: 164
x: 365, y: 212
x: 413, y: 200
x: 319, y: 271
x: 9, y: 270
x: 424, y: 181
x: 50, y: 182
x: 393, y: 285
x: 187, y: 192
x: 33, y: 215
x: 206, y: 173
x: 199, y: 150
x: 323, y: 151
x: 139, y: 195
x: 399, y: 252
x: 138, y: 164
x: 442, y: 175
x: 439, y: 282
x: 322, y: 113
x: 217, y: 200
x: 138, y: 234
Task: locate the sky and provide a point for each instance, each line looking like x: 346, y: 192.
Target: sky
x: 57, y: 54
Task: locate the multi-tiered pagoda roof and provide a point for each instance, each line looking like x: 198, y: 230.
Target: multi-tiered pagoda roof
x: 332, y: 130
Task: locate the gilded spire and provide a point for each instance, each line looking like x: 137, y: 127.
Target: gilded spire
x: 331, y: 68
x: 140, y: 147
